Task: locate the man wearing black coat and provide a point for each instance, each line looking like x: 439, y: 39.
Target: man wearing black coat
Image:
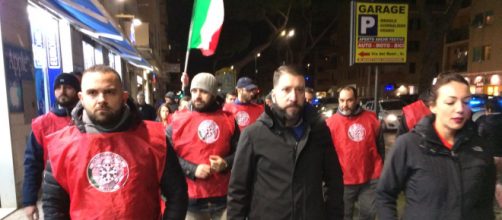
x: 283, y: 159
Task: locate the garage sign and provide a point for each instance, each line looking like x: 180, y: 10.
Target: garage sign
x: 378, y: 32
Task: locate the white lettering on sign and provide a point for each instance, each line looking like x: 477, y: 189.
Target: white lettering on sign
x: 367, y: 22
x: 19, y: 63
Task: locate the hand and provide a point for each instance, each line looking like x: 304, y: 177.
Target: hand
x: 203, y: 171
x: 31, y: 212
x: 217, y: 163
x: 184, y: 80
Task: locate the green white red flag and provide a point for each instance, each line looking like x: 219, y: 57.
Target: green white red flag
x: 206, y: 25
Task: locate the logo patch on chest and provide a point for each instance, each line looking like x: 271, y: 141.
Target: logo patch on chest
x: 107, y: 172
x: 242, y: 118
x: 208, y: 131
x: 357, y: 132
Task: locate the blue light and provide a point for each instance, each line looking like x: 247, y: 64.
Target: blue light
x: 315, y: 101
x: 475, y: 102
x: 389, y: 87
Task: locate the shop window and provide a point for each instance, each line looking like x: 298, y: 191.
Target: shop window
x: 488, y: 18
x: 477, y: 54
x: 487, y: 51
x: 477, y: 21
x: 482, y: 19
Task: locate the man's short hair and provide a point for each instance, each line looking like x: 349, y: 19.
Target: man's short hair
x: 309, y: 90
x: 350, y: 88
x: 287, y: 69
x: 102, y: 69
x: 232, y: 93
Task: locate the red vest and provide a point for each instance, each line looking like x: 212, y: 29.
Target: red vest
x: 245, y: 115
x: 414, y: 112
x: 110, y: 175
x: 45, y: 125
x: 354, y: 138
x: 198, y: 135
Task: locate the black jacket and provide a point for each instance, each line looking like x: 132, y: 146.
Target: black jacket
x: 438, y: 183
x: 276, y: 177
x: 56, y: 201
x: 489, y: 127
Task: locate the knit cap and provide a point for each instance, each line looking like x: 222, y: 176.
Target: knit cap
x: 67, y: 79
x: 206, y: 82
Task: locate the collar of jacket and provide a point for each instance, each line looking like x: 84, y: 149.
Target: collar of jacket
x: 356, y: 112
x: 133, y: 119
x: 61, y: 111
x: 430, y: 141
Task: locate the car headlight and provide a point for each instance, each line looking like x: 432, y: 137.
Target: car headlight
x: 328, y: 113
x: 391, y: 117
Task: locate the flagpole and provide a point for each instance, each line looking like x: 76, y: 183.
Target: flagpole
x: 189, y: 38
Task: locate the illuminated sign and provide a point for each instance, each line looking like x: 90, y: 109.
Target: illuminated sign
x: 379, y: 32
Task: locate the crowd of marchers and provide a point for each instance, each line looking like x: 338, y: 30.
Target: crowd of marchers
x: 199, y: 155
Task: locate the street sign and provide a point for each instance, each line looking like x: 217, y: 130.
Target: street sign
x: 378, y: 32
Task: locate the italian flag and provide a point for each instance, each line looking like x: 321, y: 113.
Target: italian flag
x: 207, y: 20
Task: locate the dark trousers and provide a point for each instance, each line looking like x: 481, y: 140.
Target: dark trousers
x: 364, y: 194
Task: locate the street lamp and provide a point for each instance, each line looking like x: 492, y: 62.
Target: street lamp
x: 286, y: 34
x: 256, y: 63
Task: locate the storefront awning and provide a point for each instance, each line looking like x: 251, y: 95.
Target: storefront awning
x: 92, y: 17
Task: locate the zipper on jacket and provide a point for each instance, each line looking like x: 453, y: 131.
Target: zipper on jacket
x: 458, y: 165
x: 293, y: 205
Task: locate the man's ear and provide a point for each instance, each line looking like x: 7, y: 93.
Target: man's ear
x: 125, y: 95
x: 79, y: 96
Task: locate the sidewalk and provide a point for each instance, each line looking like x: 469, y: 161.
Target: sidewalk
x: 19, y: 214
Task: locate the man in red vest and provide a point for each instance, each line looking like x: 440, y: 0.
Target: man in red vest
x: 358, y: 140
x: 110, y: 164
x: 413, y: 113
x: 245, y: 111
x: 205, y: 137
x: 66, y: 87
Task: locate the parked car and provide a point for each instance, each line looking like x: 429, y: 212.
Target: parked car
x: 327, y: 106
x: 390, y: 112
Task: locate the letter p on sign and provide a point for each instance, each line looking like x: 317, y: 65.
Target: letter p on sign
x: 368, y: 25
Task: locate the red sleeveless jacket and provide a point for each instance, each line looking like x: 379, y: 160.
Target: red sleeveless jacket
x: 110, y: 175
x: 198, y: 135
x: 47, y: 124
x: 354, y: 138
x: 414, y: 112
x: 245, y: 115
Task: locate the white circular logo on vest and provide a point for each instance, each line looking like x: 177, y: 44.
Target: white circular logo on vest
x: 357, y: 132
x: 242, y: 118
x: 208, y: 131
x: 107, y: 172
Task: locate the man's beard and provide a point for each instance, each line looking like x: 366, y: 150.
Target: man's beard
x: 245, y: 98
x: 290, y: 114
x: 201, y: 106
x: 66, y: 102
x: 346, y: 111
x: 106, y: 119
